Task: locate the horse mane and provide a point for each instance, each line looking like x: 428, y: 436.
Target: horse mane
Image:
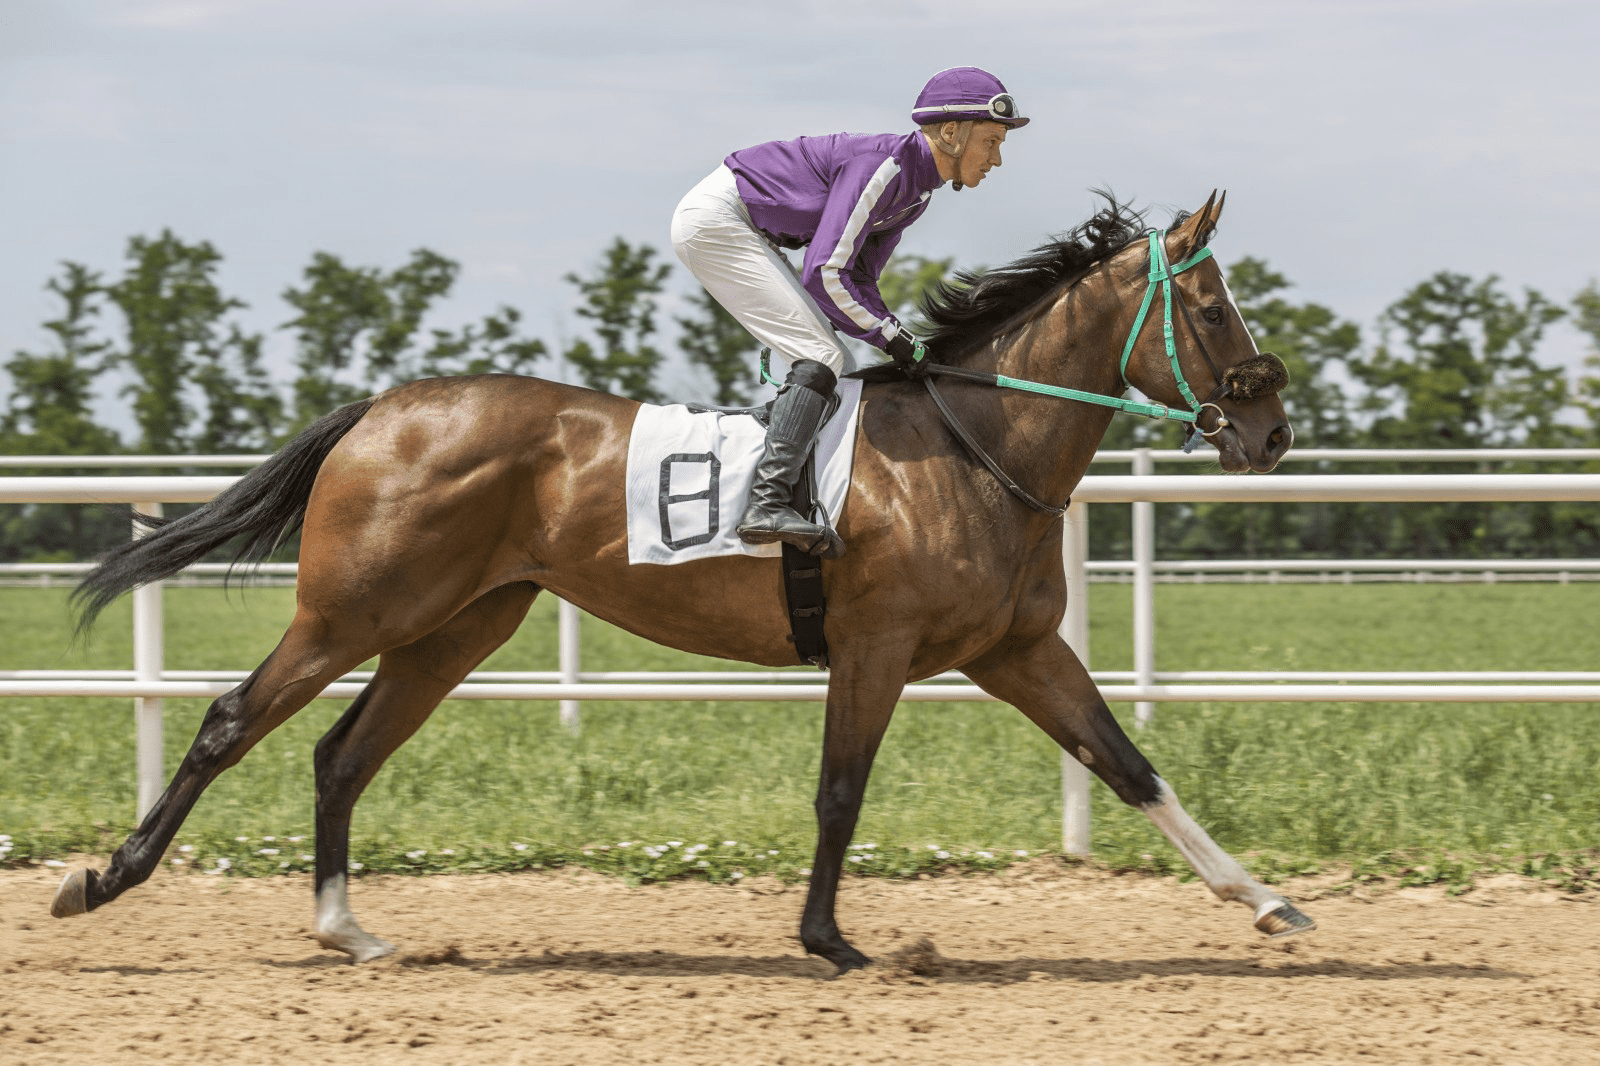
x: 963, y: 312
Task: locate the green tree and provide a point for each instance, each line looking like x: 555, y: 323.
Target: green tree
x: 359, y: 329
x: 49, y: 413
x: 1457, y: 368
x: 337, y: 306
x: 617, y: 298
x: 176, y: 338
x: 493, y: 347
x: 410, y: 292
x: 1586, y: 316
x: 714, y: 339
x: 243, y: 409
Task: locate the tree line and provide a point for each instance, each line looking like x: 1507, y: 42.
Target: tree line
x: 1454, y: 364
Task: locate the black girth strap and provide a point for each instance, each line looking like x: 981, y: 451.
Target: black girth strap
x: 802, y: 587
x: 983, y: 457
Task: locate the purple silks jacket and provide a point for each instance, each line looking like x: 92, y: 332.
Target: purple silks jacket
x: 845, y: 198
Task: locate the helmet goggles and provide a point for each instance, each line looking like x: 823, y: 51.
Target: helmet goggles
x: 1001, y: 107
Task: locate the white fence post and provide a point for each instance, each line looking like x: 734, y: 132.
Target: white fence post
x: 1075, y: 631
x: 567, y: 628
x: 148, y: 659
x: 1144, y: 594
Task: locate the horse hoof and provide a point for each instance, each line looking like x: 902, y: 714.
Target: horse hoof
x: 1283, y: 918
x: 377, y: 949
x: 360, y: 945
x: 843, y: 956
x: 856, y: 961
x: 72, y: 897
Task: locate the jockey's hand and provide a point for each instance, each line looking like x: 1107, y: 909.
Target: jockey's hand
x: 910, y: 354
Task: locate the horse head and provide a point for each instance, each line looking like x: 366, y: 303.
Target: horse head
x: 1203, y: 359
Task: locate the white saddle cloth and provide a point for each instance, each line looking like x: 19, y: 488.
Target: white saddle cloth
x: 689, y: 477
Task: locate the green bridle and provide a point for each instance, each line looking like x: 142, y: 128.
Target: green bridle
x: 1162, y: 272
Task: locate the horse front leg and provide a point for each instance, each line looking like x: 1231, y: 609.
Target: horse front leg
x: 1045, y: 681
x: 859, y: 709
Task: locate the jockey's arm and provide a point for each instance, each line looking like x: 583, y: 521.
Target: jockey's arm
x: 844, y: 259
x: 874, y: 258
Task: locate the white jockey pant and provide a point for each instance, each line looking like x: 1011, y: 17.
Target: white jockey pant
x: 713, y: 235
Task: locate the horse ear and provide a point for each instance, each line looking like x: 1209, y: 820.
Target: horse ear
x: 1196, y: 230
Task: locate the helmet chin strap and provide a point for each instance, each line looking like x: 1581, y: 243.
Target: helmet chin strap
x: 963, y: 131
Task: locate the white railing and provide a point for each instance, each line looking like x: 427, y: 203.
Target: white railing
x: 1369, y: 455
x: 149, y: 682
x: 112, y: 462
x: 1101, y: 571
x: 1312, y: 566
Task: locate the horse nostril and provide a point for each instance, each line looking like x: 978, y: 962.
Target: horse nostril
x: 1279, y: 440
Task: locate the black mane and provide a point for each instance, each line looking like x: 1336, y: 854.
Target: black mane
x: 964, y: 311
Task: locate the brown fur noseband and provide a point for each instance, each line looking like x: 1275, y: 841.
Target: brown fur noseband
x: 1260, y: 375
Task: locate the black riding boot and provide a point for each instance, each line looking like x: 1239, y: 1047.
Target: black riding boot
x: 796, y: 415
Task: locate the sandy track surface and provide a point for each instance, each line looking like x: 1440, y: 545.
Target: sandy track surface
x: 1045, y: 965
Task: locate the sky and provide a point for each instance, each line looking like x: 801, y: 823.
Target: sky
x: 1363, y: 146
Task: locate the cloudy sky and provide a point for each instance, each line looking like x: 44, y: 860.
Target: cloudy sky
x: 1363, y: 145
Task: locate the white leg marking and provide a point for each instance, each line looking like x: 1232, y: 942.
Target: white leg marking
x: 338, y: 929
x: 1220, y: 871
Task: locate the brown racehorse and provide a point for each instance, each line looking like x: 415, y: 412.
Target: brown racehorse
x: 434, y: 513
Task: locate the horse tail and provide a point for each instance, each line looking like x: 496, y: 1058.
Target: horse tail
x: 262, y: 510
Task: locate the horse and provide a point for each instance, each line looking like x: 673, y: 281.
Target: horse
x: 432, y: 514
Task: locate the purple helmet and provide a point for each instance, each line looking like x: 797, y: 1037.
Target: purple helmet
x: 963, y: 93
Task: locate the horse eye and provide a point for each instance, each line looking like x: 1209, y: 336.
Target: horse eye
x: 1214, y: 315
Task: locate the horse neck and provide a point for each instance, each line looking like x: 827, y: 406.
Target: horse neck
x: 1049, y: 442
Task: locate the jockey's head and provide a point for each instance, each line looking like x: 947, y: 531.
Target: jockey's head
x: 965, y: 113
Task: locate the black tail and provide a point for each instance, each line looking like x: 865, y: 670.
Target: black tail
x: 264, y: 508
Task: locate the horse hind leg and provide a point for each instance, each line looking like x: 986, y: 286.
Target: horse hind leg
x: 305, y: 661
x: 410, y: 682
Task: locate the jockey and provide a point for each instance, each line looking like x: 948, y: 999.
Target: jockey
x: 846, y: 198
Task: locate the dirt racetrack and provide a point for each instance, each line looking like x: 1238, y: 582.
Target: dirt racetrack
x: 1047, y: 964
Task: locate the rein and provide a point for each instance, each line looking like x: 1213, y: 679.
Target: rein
x: 1161, y: 273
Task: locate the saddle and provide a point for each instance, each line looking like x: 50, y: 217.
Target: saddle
x: 802, y: 573
x: 761, y: 413
x: 804, y: 603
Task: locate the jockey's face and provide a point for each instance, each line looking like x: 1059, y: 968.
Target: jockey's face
x: 981, y: 152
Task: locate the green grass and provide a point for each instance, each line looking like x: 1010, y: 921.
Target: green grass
x: 1432, y: 791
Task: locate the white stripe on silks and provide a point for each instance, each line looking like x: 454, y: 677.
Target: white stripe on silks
x: 845, y: 250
